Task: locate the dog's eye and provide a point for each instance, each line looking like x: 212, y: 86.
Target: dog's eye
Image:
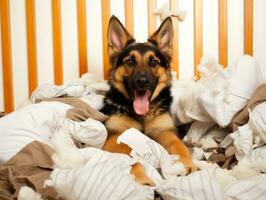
x: 130, y: 62
x: 153, y: 62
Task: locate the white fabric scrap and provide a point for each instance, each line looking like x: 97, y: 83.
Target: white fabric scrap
x: 204, y: 136
x: 213, y: 137
x: 197, y: 153
x: 186, y: 93
x: 259, y: 155
x: 197, y: 130
x: 90, y: 132
x: 208, y: 68
x: 243, y: 142
x: 257, y: 121
x: 152, y: 152
x: 93, y: 99
x: 230, y: 90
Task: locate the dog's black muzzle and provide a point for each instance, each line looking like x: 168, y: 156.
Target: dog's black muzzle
x: 142, y: 82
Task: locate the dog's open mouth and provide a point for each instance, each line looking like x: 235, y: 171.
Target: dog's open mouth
x: 141, y: 101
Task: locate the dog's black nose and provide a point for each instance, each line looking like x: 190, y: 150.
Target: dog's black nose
x: 142, y: 81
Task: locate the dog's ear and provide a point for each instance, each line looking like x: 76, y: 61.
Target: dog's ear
x: 163, y: 37
x: 117, y: 35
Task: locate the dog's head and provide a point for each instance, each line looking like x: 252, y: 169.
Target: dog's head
x: 140, y: 71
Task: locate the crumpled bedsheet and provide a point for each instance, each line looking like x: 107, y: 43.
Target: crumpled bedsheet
x: 102, y: 175
x: 73, y: 178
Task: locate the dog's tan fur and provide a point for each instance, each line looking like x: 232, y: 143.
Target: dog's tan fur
x: 157, y: 124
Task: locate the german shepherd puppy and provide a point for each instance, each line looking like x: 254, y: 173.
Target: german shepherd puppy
x: 139, y: 96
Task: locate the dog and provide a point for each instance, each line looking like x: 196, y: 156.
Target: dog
x: 139, y: 95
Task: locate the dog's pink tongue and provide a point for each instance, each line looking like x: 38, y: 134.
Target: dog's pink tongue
x: 141, y: 103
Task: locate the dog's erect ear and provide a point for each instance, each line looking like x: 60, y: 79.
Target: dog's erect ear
x: 117, y: 35
x: 163, y: 37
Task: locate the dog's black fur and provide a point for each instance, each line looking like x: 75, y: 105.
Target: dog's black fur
x: 140, y: 92
x: 116, y: 103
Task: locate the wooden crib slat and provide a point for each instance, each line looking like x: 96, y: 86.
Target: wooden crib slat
x: 198, y: 35
x: 105, y: 21
x: 175, y: 65
x: 223, y: 34
x: 129, y: 17
x: 31, y: 45
x: 151, y: 16
x: 6, y: 56
x: 82, y: 36
x: 57, y: 42
x: 248, y: 27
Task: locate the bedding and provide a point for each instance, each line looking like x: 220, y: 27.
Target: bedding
x: 89, y: 88
x: 38, y: 121
x: 31, y: 166
x: 59, y: 139
x: 211, y: 182
x: 32, y: 122
x: 241, y: 118
x: 231, y: 89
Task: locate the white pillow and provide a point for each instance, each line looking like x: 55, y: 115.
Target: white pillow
x: 33, y: 122
x: 38, y: 122
x: 231, y: 89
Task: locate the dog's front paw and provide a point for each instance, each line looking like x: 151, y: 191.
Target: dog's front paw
x: 178, y: 167
x: 189, y: 165
x: 140, y: 175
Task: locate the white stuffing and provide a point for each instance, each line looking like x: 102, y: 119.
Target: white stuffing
x: 181, y: 90
x: 219, y: 94
x: 84, y: 88
x: 230, y: 90
x: 164, y: 12
x: 186, y: 106
x: 66, y: 153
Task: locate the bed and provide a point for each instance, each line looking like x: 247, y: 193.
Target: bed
x: 51, y: 143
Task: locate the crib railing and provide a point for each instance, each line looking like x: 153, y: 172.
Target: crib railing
x: 82, y: 38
